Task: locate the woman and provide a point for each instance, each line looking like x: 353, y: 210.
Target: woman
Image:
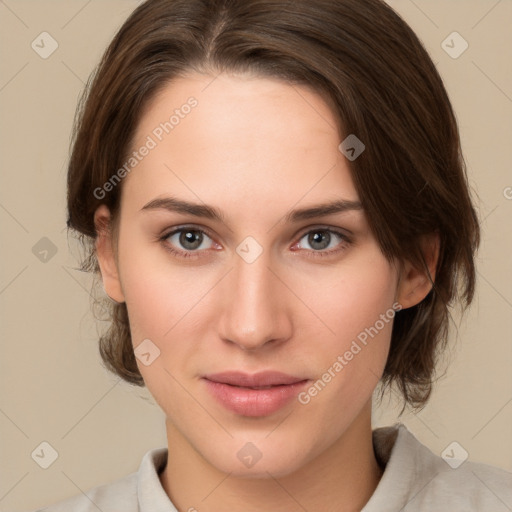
x: 274, y: 196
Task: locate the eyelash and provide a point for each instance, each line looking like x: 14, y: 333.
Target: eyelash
x: 345, y: 241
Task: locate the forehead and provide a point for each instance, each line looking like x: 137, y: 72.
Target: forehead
x: 255, y: 139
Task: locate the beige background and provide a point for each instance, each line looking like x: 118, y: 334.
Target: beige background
x: 53, y: 387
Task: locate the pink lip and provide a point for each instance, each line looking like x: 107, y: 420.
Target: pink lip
x: 259, y: 394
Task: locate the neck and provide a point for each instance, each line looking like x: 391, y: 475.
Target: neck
x: 341, y: 479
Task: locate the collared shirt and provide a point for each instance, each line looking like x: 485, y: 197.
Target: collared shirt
x: 414, y: 479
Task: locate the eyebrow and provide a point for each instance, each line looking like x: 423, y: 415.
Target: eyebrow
x: 173, y: 204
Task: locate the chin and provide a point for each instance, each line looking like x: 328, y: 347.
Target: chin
x: 244, y: 460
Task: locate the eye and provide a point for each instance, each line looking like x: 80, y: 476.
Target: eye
x: 186, y: 240
x: 189, y: 241
x: 323, y: 241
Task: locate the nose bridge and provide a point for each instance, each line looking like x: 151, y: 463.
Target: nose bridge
x: 254, y: 314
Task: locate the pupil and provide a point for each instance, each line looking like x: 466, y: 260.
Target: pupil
x: 190, y: 239
x: 319, y: 237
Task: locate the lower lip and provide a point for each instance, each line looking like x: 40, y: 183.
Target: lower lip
x: 254, y: 402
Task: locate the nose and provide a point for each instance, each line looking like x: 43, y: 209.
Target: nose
x: 255, y: 311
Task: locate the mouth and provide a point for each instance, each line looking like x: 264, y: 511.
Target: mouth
x: 259, y: 394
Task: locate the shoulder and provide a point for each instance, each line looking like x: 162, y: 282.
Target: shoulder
x: 123, y: 494
x: 471, y: 486
x: 416, y: 479
x: 118, y: 495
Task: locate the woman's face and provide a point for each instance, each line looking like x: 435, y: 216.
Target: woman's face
x: 264, y: 287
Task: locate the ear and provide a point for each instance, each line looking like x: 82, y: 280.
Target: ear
x: 105, y: 254
x: 414, y: 283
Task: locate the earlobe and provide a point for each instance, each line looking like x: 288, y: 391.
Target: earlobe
x: 415, y: 284
x: 105, y: 255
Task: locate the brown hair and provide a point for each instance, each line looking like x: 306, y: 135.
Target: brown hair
x: 381, y: 84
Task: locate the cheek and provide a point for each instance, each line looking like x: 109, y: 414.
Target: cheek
x: 355, y: 300
x: 167, y: 304
x: 160, y: 305
x: 358, y: 310
x: 157, y: 291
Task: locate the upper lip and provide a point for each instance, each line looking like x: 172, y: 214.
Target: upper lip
x: 266, y: 378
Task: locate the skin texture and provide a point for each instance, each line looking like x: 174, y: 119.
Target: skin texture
x: 255, y: 148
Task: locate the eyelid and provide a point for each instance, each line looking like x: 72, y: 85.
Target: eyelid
x: 300, y: 233
x: 345, y: 233
x: 170, y: 231
x: 346, y: 239
x: 181, y: 253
